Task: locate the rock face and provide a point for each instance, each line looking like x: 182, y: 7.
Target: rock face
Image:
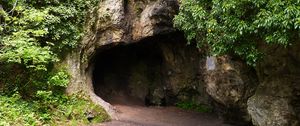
x: 159, y: 70
x: 230, y: 82
x: 277, y: 99
x: 116, y: 22
x: 182, y: 73
x: 128, y: 21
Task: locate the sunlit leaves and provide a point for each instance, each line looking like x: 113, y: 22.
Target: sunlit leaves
x: 60, y: 78
x: 22, y: 49
x: 34, y: 35
x: 237, y: 26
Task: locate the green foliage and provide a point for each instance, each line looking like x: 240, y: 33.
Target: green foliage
x: 33, y: 36
x: 188, y: 105
x: 14, y: 111
x: 48, y: 27
x: 239, y: 26
x: 20, y: 48
x: 56, y: 110
x: 60, y: 79
x: 30, y: 83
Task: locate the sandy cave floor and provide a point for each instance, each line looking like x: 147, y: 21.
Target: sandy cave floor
x: 161, y: 116
x: 132, y: 114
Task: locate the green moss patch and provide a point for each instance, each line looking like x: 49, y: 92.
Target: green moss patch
x: 187, y: 105
x: 59, y: 110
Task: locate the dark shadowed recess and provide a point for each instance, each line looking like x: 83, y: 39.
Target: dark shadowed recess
x: 127, y: 73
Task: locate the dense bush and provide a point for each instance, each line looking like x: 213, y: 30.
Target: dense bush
x: 190, y: 105
x: 239, y: 26
x: 35, y: 35
x: 59, y: 110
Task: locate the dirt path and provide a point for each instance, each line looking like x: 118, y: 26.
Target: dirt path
x: 135, y: 115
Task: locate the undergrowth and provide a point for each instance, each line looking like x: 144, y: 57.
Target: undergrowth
x: 188, y: 105
x: 34, y: 36
x: 57, y: 111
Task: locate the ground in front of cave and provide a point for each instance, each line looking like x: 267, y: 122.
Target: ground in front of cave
x: 132, y: 113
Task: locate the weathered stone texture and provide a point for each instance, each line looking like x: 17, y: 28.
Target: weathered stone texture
x: 230, y: 82
x: 277, y: 98
x: 273, y: 87
x: 116, y: 22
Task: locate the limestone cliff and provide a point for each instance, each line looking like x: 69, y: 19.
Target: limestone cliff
x: 267, y: 95
x: 277, y: 98
x: 116, y: 22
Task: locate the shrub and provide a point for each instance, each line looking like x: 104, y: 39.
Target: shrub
x: 239, y: 26
x: 188, y: 105
x: 49, y: 110
x: 34, y: 35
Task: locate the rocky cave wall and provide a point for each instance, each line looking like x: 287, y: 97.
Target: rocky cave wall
x: 273, y: 86
x: 230, y: 82
x: 277, y: 99
x: 159, y: 70
x: 116, y: 22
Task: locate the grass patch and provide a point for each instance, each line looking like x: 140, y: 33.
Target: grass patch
x: 61, y: 110
x: 187, y: 105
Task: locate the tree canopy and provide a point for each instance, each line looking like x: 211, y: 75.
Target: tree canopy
x: 239, y: 26
x: 34, y: 34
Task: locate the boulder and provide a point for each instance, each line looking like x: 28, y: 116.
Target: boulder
x: 230, y: 82
x: 277, y: 99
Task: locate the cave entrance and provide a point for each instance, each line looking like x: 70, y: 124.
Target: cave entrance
x: 156, y: 71
x: 125, y: 74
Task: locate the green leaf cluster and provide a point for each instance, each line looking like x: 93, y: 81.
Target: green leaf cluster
x: 35, y: 34
x: 239, y: 26
x: 57, y: 110
x: 190, y: 105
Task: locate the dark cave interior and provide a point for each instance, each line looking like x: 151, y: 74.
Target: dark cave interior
x: 124, y: 74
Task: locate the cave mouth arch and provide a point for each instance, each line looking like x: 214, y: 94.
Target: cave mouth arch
x: 125, y: 73
x: 159, y: 70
